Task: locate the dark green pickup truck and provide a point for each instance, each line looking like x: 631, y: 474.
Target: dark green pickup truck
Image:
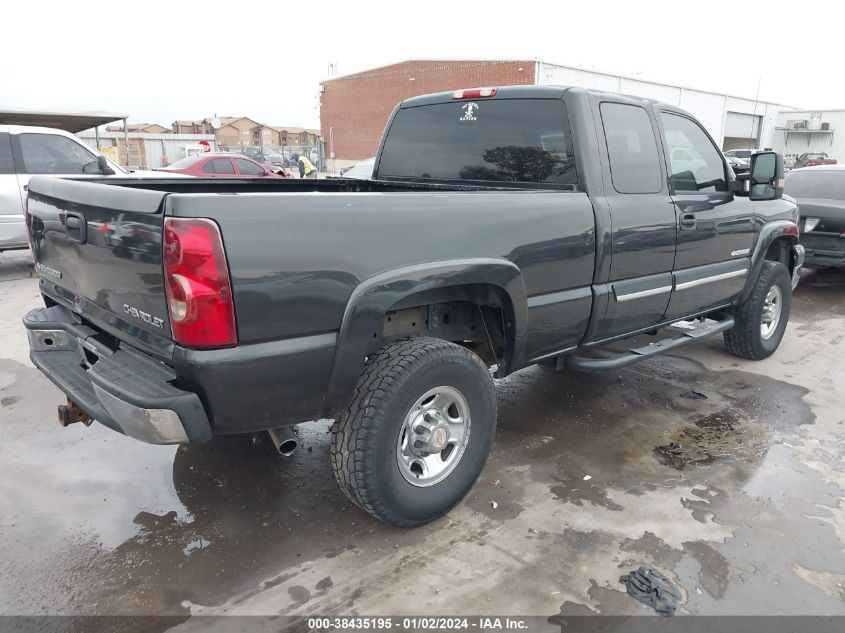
x: 503, y: 227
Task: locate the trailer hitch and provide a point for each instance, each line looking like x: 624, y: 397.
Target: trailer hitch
x: 72, y: 412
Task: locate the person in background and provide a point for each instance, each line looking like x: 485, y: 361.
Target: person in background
x: 306, y: 168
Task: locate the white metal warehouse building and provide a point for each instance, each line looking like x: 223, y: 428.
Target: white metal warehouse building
x: 800, y: 131
x: 733, y: 122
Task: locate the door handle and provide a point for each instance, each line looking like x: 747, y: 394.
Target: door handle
x: 687, y: 221
x: 76, y: 227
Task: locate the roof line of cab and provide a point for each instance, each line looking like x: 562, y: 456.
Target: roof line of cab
x: 533, y: 92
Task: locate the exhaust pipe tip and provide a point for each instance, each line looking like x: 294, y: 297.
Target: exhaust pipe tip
x: 284, y: 440
x: 287, y: 448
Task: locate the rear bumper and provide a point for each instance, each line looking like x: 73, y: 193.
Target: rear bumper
x: 123, y: 389
x: 823, y: 250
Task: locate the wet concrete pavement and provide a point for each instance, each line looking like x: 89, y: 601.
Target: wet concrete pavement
x: 737, y: 496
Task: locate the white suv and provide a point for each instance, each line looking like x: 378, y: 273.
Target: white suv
x: 26, y: 151
x: 744, y: 154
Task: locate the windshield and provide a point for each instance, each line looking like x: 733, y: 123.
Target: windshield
x: 516, y: 140
x: 816, y: 183
x: 190, y: 161
x: 741, y: 153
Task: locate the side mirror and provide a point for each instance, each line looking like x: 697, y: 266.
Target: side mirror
x: 103, y: 166
x: 741, y: 185
x: 766, y: 176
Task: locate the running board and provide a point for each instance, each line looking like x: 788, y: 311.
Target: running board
x: 635, y: 355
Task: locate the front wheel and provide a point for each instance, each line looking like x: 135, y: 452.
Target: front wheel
x: 761, y: 319
x: 417, y: 433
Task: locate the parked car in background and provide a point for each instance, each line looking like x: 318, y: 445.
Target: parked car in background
x: 744, y: 154
x: 223, y: 166
x: 271, y: 157
x: 26, y: 151
x: 267, y: 155
x: 813, y: 159
x: 360, y: 171
x: 820, y: 193
x: 253, y: 152
x: 739, y: 165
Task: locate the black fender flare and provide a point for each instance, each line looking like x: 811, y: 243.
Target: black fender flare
x: 768, y: 234
x: 373, y: 297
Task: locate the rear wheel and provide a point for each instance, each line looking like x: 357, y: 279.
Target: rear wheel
x: 761, y: 319
x: 417, y: 433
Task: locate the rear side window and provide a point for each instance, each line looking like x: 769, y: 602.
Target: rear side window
x: 510, y: 140
x: 219, y: 166
x: 694, y: 162
x: 248, y: 168
x: 54, y: 154
x: 631, y: 148
x: 7, y: 165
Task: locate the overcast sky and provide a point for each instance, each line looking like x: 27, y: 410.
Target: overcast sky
x: 160, y: 61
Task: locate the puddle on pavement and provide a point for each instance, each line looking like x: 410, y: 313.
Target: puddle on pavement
x: 727, y: 435
x: 202, y: 523
x: 635, y: 428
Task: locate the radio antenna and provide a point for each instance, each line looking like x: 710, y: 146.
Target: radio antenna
x: 754, y: 117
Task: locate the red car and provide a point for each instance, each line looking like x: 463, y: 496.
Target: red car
x: 223, y: 166
x: 811, y: 159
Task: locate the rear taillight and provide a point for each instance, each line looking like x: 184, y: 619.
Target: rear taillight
x: 199, y: 292
x: 475, y: 93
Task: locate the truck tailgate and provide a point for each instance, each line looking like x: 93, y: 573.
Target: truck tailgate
x: 98, y: 251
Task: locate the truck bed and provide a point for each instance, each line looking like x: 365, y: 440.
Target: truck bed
x: 297, y: 251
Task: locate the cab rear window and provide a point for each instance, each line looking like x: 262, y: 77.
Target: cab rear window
x: 502, y: 141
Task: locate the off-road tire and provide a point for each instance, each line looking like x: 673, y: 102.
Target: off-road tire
x: 365, y: 435
x: 745, y: 339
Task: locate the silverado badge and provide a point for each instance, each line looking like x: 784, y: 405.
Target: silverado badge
x: 146, y: 317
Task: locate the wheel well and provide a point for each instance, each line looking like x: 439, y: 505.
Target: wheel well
x: 780, y: 250
x: 479, y: 317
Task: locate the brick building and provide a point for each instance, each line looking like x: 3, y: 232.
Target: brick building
x: 296, y: 136
x: 234, y: 132
x: 237, y: 132
x: 354, y: 109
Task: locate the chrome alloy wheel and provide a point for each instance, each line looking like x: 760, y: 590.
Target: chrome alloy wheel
x: 433, y: 437
x: 772, y: 309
